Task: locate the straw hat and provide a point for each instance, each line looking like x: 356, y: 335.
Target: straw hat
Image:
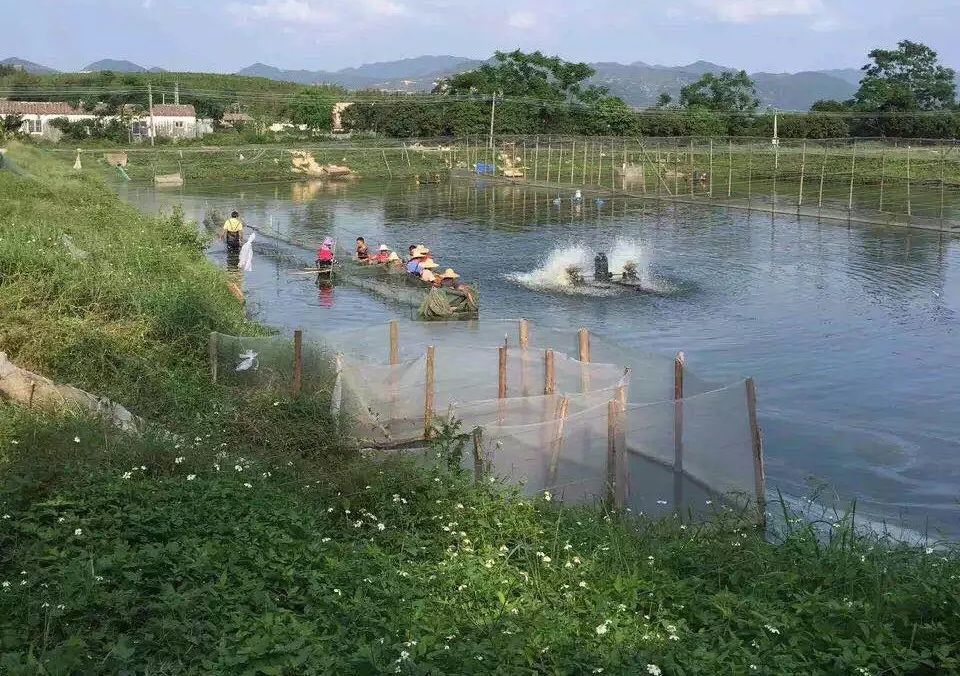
x: 384, y: 247
x: 393, y: 257
x: 429, y: 265
x: 428, y: 276
x: 449, y: 274
x: 422, y: 250
x: 327, y: 241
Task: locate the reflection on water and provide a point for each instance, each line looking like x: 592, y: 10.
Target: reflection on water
x: 851, y: 332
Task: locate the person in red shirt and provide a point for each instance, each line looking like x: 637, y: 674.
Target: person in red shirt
x: 325, y: 255
x: 383, y: 255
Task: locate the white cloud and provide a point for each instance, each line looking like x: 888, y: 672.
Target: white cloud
x: 282, y: 11
x: 747, y: 11
x: 383, y: 7
x: 522, y: 20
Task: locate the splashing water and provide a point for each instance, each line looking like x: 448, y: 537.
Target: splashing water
x: 552, y: 274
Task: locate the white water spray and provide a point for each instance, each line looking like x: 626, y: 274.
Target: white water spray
x: 552, y: 274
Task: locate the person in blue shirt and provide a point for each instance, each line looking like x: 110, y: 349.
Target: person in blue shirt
x: 414, y: 267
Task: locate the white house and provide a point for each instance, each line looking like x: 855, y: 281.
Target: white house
x: 165, y: 120
x: 37, y: 116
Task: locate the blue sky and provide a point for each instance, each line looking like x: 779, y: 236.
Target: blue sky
x: 226, y: 35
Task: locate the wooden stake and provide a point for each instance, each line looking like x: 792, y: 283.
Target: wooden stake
x: 583, y: 180
x: 600, y: 163
x: 853, y: 169
x: 710, y: 176
x: 756, y: 438
x: 613, y: 413
x: 883, y: 174
x: 524, y: 331
x: 692, y: 187
x: 478, y: 456
x: 556, y: 444
x: 573, y: 159
x: 428, y: 394
x: 678, y: 364
x: 536, y: 158
x: 394, y: 342
x: 750, y: 179
x: 823, y: 173
x: 297, y: 361
x: 560, y: 163
x: 214, y: 351
x: 502, y: 372
x: 549, y: 153
x: 549, y: 374
x: 941, y: 188
x: 583, y: 339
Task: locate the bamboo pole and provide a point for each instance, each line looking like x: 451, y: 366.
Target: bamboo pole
x: 729, y: 168
x: 394, y: 342
x: 613, y: 452
x: 556, y: 443
x: 389, y: 171
x: 600, y: 165
x: 823, y: 173
x: 573, y: 159
x: 659, y: 169
x: 623, y: 178
x: 524, y: 334
x: 676, y: 168
x: 560, y: 164
x: 213, y: 349
x: 692, y: 187
x: 883, y: 174
x: 549, y: 154
x: 297, y: 361
x: 853, y: 173
x: 750, y: 180
x: 909, y: 196
x: 613, y: 167
x: 710, y: 176
x: 549, y: 374
x: 803, y: 169
x: 776, y: 175
x: 941, y: 188
x: 756, y: 440
x: 583, y: 179
x: 583, y: 352
x: 428, y: 394
x: 536, y: 158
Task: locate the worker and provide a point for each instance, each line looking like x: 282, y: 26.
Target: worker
x: 449, y: 278
x: 416, y: 258
x: 410, y: 251
x: 233, y: 232
x: 393, y: 261
x: 425, y: 252
x: 363, y: 254
x: 383, y: 254
x: 427, y: 275
x: 325, y: 255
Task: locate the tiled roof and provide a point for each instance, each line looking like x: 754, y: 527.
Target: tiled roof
x: 170, y: 110
x: 37, y: 108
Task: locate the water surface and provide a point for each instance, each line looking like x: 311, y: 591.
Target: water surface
x: 851, y: 331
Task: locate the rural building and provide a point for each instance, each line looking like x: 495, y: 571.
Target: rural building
x: 37, y: 116
x: 168, y: 120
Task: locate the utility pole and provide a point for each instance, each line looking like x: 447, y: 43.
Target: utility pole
x: 150, y: 104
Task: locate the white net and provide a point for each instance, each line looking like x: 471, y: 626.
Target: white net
x: 606, y: 426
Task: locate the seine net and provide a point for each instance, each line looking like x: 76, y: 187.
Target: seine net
x: 558, y: 411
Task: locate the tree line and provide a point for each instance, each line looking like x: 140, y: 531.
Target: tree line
x: 905, y: 92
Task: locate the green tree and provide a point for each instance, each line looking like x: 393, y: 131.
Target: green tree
x: 534, y: 75
x: 313, y: 108
x: 10, y: 126
x: 729, y: 92
x: 907, y: 78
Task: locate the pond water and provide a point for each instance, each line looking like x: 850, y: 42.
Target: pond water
x: 852, y: 332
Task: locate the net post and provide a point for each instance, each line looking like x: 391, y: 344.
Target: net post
x: 599, y: 164
x: 583, y: 179
x: 556, y: 444
x: 524, y: 331
x: 560, y: 163
x: 583, y: 353
x: 692, y: 187
x: 394, y: 342
x: 803, y: 170
x: 478, y: 455
x: 536, y: 158
x: 756, y: 440
x: 853, y: 173
x: 612, y: 407
x: 213, y: 349
x: 549, y: 374
x: 428, y: 394
x: 729, y: 168
x: 750, y: 179
x: 573, y: 159
x: 710, y: 176
x: 549, y: 157
x: 823, y: 173
x: 297, y: 361
x: 502, y: 372
x: 883, y: 174
x: 678, y: 364
x: 941, y: 187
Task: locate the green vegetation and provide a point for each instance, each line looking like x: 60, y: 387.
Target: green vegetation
x: 255, y: 543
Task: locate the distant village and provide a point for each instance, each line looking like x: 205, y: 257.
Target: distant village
x: 164, y: 120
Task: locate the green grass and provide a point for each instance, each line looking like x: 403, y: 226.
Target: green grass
x: 158, y: 555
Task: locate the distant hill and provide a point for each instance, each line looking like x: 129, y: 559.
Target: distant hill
x: 115, y: 65
x: 27, y: 66
x: 638, y: 83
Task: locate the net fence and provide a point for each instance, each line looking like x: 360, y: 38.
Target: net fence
x: 559, y: 411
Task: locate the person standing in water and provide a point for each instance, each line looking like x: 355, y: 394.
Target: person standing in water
x: 232, y: 234
x: 363, y: 254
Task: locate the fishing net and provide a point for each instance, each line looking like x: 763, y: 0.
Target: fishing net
x: 555, y: 410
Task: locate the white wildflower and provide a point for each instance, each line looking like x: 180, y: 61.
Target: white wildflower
x: 247, y: 485
x: 547, y: 496
x: 76, y: 440
x: 583, y: 584
x: 404, y: 654
x: 771, y: 629
x: 191, y: 477
x: 126, y: 475
x: 381, y: 526
x: 601, y: 629
x: 239, y: 468
x: 178, y: 460
x: 78, y: 532
x: 654, y: 670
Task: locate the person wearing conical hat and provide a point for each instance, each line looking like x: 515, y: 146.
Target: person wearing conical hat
x: 416, y: 260
x: 427, y: 275
x: 449, y: 278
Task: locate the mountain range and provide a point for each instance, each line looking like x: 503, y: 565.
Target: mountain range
x: 638, y: 83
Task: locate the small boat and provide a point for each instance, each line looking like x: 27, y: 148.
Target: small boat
x: 394, y: 282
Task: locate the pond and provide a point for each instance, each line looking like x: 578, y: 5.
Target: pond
x: 851, y: 331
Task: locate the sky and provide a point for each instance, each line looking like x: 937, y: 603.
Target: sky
x: 227, y: 35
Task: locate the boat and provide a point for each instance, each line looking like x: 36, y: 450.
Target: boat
x: 394, y: 282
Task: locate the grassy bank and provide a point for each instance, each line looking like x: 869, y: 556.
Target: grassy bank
x: 257, y: 545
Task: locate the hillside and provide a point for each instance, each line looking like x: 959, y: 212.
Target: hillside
x: 27, y: 66
x: 115, y: 65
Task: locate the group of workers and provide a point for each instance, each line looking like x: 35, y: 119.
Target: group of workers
x: 419, y: 263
